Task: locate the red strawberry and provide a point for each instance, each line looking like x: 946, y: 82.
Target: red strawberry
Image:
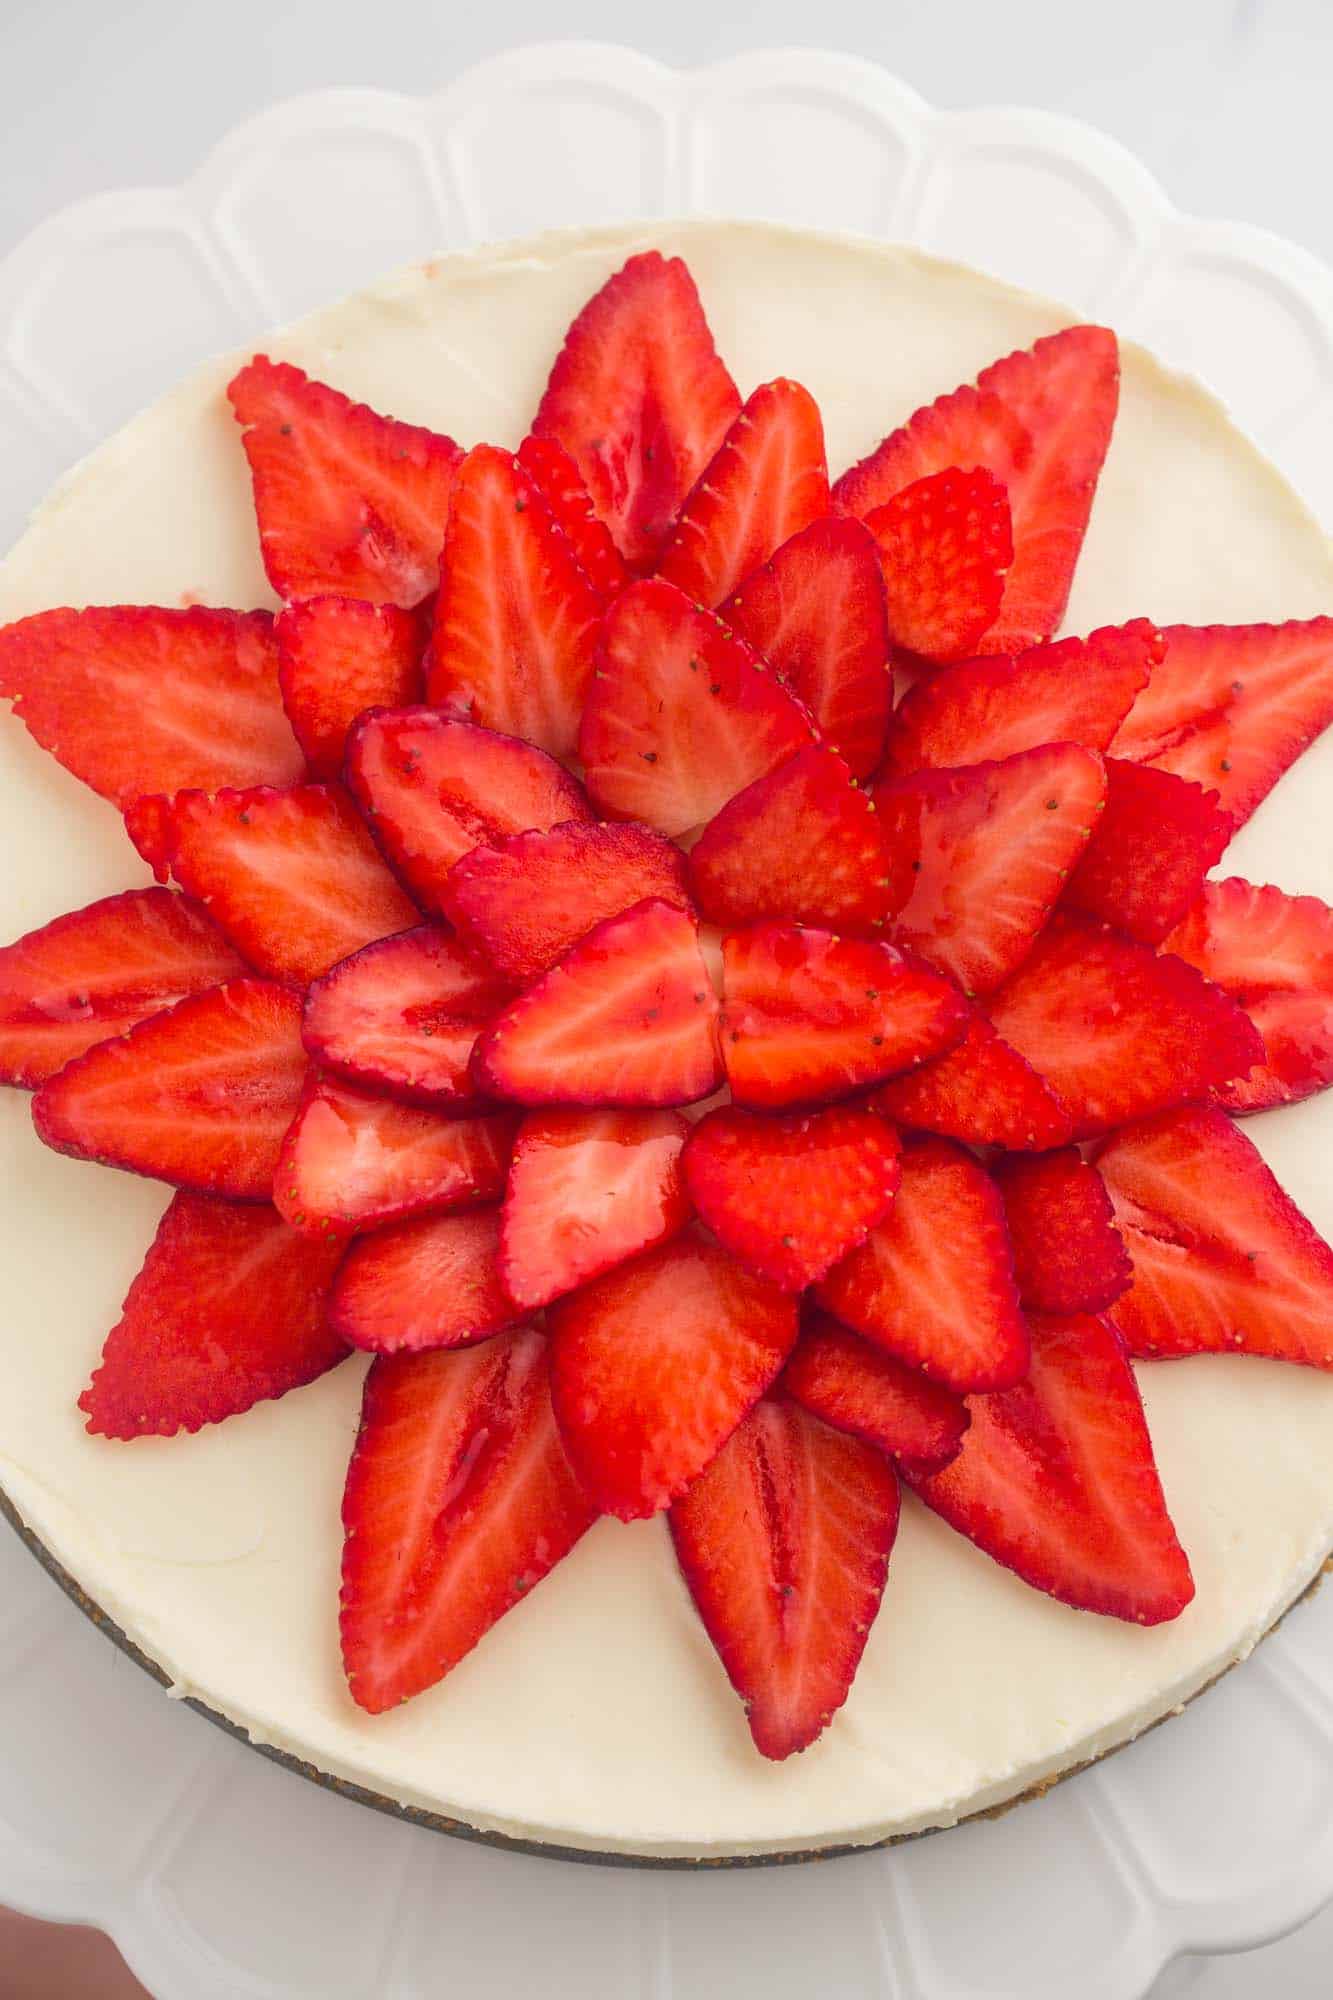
x: 403, y: 1015
x: 804, y: 844
x: 516, y: 620
x: 522, y: 903
x: 654, y: 1365
x: 987, y: 850
x: 199, y: 1095
x: 1223, y: 1260
x: 1274, y: 955
x: 981, y: 1092
x: 556, y: 477
x: 1231, y: 706
x: 339, y: 656
x: 1056, y: 1480
x: 816, y: 614
x: 132, y: 699
x: 432, y: 789
x: 229, y: 1309
x: 151, y: 824
x: 430, y: 1282
x: 681, y: 716
x: 809, y: 1016
x: 629, y: 1016
x: 767, y: 481
x: 1068, y: 1256
x: 292, y: 877
x: 587, y: 1189
x: 347, y: 500
x: 857, y: 1387
x: 944, y: 546
x: 1117, y: 1032
x: 934, y: 1282
x: 97, y: 972
x: 1150, y: 851
x: 790, y: 1196
x: 640, y: 400
x: 1040, y: 421
x: 459, y: 1500
x: 352, y: 1160
x: 784, y: 1542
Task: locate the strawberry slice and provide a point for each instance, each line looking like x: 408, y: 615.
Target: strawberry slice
x: 199, y: 1095
x: 352, y: 1160
x: 524, y: 902
x: 629, y: 1016
x: 1056, y: 1480
x: 934, y: 1282
x: 1232, y: 706
x: 802, y: 844
x: 681, y: 716
x: 654, y: 1365
x: 1040, y: 421
x: 516, y: 620
x: 403, y: 1015
x: 945, y: 544
x: 790, y: 1196
x: 151, y: 824
x: 459, y: 1500
x: 432, y: 789
x: 292, y: 877
x: 981, y: 1092
x: 97, y: 972
x: 987, y: 851
x: 1224, y: 1261
x: 430, y: 1282
x: 784, y: 1542
x: 228, y: 1310
x: 640, y: 400
x: 587, y: 1189
x: 348, y: 501
x: 337, y: 657
x: 1273, y: 954
x: 1117, y: 1032
x: 856, y: 1387
x: 808, y: 1015
x: 1150, y: 852
x: 1068, y: 1255
x: 133, y: 699
x: 816, y: 614
x: 767, y: 480
x: 556, y: 477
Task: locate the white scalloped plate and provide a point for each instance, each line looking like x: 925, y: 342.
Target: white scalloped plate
x: 223, y: 1878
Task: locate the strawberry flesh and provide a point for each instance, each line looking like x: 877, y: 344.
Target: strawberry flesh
x: 1068, y: 1254
x: 337, y: 657
x: 556, y: 477
x: 1150, y: 852
x: 429, y: 1282
x: 944, y: 547
x: 982, y: 1092
x: 855, y: 1386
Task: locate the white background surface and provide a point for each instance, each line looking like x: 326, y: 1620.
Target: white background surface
x: 1225, y: 100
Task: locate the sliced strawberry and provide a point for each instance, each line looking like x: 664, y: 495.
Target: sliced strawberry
x: 1150, y: 852
x: 556, y: 477
x: 857, y: 1387
x: 1231, y: 706
x: 1224, y: 1261
x: 1068, y: 1256
x: 790, y: 1196
x: 459, y: 1500
x: 640, y: 400
x: 522, y: 903
x: 292, y: 877
x: 587, y: 1189
x: 654, y: 1365
x: 199, y: 1095
x: 430, y: 1282
x: 1056, y: 1480
x: 1040, y: 421
x: 945, y: 545
x: 432, y: 789
x: 403, y: 1015
x: 816, y: 614
x: 629, y: 1016
x: 808, y: 1016
x: 97, y: 972
x: 784, y: 1542
x: 133, y: 699
x: 339, y: 656
x: 228, y: 1310
x: 982, y: 1092
x: 681, y: 716
x: 802, y: 844
x: 1273, y: 954
x: 151, y: 824
x: 348, y: 501
x: 767, y: 480
x: 988, y: 850
x: 934, y: 1282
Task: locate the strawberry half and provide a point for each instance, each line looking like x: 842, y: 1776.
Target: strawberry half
x: 556, y: 477
x: 944, y: 546
x: 982, y: 1092
x: 430, y: 1282
x: 1068, y: 1255
x: 337, y: 657
x: 855, y: 1386
x: 1150, y: 852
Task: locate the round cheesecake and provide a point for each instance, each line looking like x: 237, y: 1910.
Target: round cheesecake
x: 596, y: 1715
